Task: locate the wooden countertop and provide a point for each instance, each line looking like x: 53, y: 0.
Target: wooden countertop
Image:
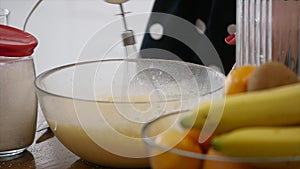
x: 49, y: 154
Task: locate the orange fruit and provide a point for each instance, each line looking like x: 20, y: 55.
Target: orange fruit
x: 169, y: 160
x: 195, y: 134
x: 237, y: 80
x: 214, y: 164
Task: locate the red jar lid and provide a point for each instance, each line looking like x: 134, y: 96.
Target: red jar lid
x: 15, y: 42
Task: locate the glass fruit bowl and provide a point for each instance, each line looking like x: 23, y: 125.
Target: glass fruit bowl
x: 97, y: 109
x: 170, y: 146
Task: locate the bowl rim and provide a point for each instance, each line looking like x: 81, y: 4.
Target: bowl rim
x: 56, y: 69
x: 201, y: 156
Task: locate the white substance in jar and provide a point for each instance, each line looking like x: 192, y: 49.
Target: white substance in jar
x: 18, y: 104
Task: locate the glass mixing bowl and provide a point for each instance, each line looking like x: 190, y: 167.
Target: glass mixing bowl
x: 97, y: 109
x: 175, y: 152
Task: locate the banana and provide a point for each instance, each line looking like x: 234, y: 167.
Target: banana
x: 276, y: 106
x: 270, y: 141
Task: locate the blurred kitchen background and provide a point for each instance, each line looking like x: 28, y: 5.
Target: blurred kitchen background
x: 66, y: 29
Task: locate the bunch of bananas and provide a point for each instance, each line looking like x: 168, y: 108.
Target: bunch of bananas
x: 262, y: 123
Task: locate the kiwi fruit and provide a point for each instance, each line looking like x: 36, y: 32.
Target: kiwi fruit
x: 269, y: 75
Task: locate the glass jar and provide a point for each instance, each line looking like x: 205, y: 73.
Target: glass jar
x: 268, y: 30
x: 18, y: 102
x: 4, y: 16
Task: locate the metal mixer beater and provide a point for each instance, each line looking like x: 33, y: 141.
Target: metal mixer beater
x: 128, y: 35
